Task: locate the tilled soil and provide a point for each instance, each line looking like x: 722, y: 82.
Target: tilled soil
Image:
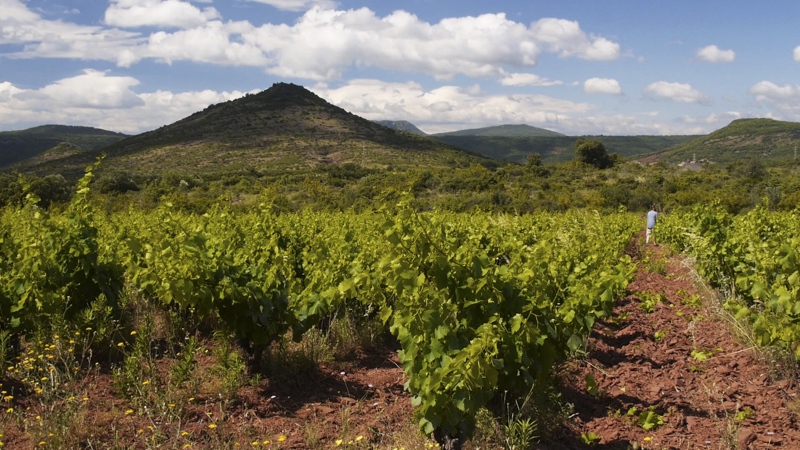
x: 724, y: 398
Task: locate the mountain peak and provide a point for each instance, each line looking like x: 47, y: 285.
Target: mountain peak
x: 284, y: 127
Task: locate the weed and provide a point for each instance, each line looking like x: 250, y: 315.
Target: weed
x: 649, y: 300
x: 230, y: 367
x: 702, y: 356
x: 649, y: 420
x: 744, y: 415
x: 590, y: 438
x: 181, y: 371
x: 656, y: 267
x: 660, y: 335
x: 620, y: 318
x: 591, y: 385
x: 520, y: 433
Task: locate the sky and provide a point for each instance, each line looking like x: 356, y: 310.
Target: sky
x: 616, y: 67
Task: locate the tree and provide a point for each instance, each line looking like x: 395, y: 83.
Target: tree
x: 534, y: 160
x: 592, y: 151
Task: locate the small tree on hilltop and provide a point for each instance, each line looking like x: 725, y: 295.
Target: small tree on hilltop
x: 592, y: 151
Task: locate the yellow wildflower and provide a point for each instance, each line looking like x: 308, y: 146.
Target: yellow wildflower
x: 128, y: 412
x: 212, y: 426
x: 281, y: 438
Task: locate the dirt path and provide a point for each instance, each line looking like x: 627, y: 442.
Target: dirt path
x: 681, y: 362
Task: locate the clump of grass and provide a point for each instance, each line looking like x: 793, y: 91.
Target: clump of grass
x: 230, y: 368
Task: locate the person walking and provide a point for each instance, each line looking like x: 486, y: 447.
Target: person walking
x: 652, y: 218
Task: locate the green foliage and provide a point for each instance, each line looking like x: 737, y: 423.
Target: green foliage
x: 480, y: 303
x: 764, y: 139
x: 592, y: 152
x: 555, y: 149
x: 24, y: 144
x: 747, y: 413
x: 519, y: 434
x: 754, y: 260
x: 660, y: 335
x: 649, y: 420
x: 590, y: 439
x: 591, y: 385
x: 648, y: 300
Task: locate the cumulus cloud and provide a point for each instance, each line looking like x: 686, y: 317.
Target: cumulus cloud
x: 57, y: 39
x: 97, y: 99
x: 767, y: 90
x: 797, y: 53
x: 440, y: 107
x: 677, y: 92
x: 784, y: 101
x: 449, y: 108
x: 602, y: 86
x: 720, y: 119
x: 320, y: 45
x: 567, y: 38
x: 298, y: 5
x: 527, y: 79
x: 713, y: 54
x: 158, y: 13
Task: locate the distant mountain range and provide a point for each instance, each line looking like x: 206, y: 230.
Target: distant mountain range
x: 287, y: 127
x: 16, y: 146
x: 560, y: 149
x: 282, y: 128
x: 503, y: 131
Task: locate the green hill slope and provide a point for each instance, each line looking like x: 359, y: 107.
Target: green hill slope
x: 768, y: 139
x: 20, y: 145
x: 559, y: 149
x: 283, y: 127
x: 503, y: 131
x: 402, y: 125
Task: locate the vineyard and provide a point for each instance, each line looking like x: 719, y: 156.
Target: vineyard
x: 754, y: 261
x: 479, y: 304
x: 163, y: 329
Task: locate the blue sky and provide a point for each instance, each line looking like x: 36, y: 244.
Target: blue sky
x: 577, y: 67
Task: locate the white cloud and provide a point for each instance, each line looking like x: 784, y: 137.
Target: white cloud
x: 446, y: 106
x: 210, y: 43
x: 602, y: 86
x: 99, y: 100
x: 449, y: 108
x: 158, y: 13
x: 797, y: 53
x: 677, y: 92
x: 320, y: 45
x: 527, y: 79
x: 767, y: 90
x: 57, y: 39
x: 298, y: 5
x: 721, y: 119
x: 566, y: 37
x: 713, y: 54
x: 784, y: 101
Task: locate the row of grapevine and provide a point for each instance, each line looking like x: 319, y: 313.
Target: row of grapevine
x: 754, y: 259
x: 480, y: 303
